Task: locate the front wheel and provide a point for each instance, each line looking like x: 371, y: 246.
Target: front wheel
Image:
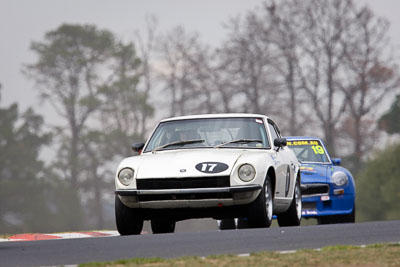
x: 129, y: 221
x: 261, y: 210
x: 292, y: 217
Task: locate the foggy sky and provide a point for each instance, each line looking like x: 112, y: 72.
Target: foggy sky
x: 23, y: 21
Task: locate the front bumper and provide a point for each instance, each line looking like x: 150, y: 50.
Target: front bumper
x: 189, y: 197
x: 327, y: 205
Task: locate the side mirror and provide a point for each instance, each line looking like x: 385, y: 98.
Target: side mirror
x: 280, y: 142
x: 138, y: 147
x: 336, y: 161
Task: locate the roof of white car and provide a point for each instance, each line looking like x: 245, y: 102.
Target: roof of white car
x: 208, y: 116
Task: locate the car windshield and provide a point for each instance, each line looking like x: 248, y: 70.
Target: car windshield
x: 308, y: 151
x: 209, y: 132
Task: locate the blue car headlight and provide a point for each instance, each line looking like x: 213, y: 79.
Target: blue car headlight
x: 339, y: 178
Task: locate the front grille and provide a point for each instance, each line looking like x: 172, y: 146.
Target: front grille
x: 183, y: 183
x: 314, y: 189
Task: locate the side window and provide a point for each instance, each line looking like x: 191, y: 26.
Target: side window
x: 277, y: 130
x: 272, y: 129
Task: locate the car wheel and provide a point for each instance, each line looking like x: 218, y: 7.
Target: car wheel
x: 292, y: 217
x: 128, y: 220
x: 261, y: 210
x: 348, y: 218
x: 162, y: 226
x: 226, y: 224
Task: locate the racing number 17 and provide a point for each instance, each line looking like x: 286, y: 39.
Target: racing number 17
x: 209, y: 166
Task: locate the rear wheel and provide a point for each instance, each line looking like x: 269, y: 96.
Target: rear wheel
x: 261, y: 210
x: 162, y: 226
x: 128, y: 220
x: 226, y: 224
x: 292, y: 217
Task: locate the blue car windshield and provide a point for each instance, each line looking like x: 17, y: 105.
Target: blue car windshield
x: 209, y: 132
x: 309, y: 151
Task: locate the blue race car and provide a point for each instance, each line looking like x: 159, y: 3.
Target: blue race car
x: 328, y: 190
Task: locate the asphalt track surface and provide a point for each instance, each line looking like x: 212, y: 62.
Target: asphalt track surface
x: 75, y: 251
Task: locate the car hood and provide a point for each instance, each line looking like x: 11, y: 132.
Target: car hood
x: 314, y: 173
x: 183, y: 163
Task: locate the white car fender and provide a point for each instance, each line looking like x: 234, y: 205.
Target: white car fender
x: 261, y: 162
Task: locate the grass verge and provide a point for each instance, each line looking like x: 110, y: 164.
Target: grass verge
x: 372, y: 255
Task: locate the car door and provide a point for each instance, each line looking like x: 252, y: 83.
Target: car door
x: 284, y: 165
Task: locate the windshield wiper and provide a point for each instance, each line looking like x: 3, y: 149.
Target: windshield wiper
x: 178, y: 143
x: 244, y: 141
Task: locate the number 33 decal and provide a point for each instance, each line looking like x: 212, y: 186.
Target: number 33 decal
x: 211, y: 167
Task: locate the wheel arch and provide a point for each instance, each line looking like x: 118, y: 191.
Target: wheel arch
x: 272, y: 176
x: 298, y: 176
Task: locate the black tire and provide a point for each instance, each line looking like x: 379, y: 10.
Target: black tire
x: 227, y: 224
x: 292, y: 217
x: 162, y: 226
x: 128, y: 220
x: 348, y: 218
x: 261, y: 210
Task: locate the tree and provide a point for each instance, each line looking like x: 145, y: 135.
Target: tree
x: 67, y: 74
x: 389, y: 121
x: 378, y: 186
x: 97, y: 184
x: 179, y: 74
x: 247, y: 58
x: 323, y: 43
x: 124, y: 112
x: 335, y: 53
x: 372, y: 75
x: 286, y: 24
x: 193, y: 73
x: 146, y: 48
x: 24, y: 203
x: 125, y: 108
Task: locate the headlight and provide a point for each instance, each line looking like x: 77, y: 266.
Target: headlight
x: 125, y: 176
x: 247, y: 172
x: 339, y: 178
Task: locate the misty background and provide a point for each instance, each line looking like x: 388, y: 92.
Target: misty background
x: 82, y: 80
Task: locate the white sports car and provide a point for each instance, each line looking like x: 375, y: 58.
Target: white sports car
x: 221, y: 166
